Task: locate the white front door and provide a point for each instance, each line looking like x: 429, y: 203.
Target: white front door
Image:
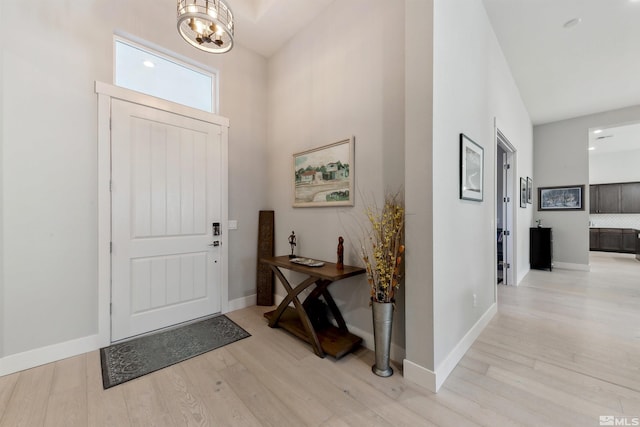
x: 166, y: 195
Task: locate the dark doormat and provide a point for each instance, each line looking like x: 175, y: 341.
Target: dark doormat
x: 132, y: 359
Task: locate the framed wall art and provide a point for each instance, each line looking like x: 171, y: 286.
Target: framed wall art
x: 523, y: 193
x: 471, y: 169
x: 324, y: 176
x: 529, y: 190
x: 564, y: 198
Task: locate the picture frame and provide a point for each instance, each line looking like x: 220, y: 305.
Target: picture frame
x: 529, y: 191
x: 562, y: 198
x: 471, y: 169
x: 324, y: 176
x: 523, y: 192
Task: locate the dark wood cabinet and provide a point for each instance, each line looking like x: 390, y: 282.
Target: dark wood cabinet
x: 594, y: 239
x: 630, y: 197
x: 607, y: 198
x: 593, y: 199
x: 629, y: 238
x: 541, y: 248
x: 615, y: 198
x: 623, y: 240
x: 610, y: 239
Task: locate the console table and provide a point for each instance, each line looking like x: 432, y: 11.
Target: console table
x: 304, y: 320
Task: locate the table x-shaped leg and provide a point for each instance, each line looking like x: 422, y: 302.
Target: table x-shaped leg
x: 321, y: 289
x: 292, y: 296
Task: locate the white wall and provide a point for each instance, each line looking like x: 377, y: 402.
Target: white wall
x: 419, y: 182
x: 2, y: 89
x: 340, y: 76
x: 49, y: 158
x: 472, y: 85
x: 561, y: 158
x: 619, y: 166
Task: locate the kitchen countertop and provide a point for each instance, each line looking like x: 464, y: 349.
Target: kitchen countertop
x: 595, y: 227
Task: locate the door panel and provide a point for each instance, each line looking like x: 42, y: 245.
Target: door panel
x: 594, y: 239
x: 609, y: 198
x: 166, y: 280
x: 166, y: 193
x: 610, y: 239
x: 593, y: 199
x: 630, y: 197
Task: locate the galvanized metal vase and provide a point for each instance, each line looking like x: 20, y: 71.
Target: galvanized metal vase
x: 382, y: 322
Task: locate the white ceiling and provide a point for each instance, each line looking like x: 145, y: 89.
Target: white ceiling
x: 561, y: 72
x: 266, y: 25
x: 614, y: 139
x: 564, y: 73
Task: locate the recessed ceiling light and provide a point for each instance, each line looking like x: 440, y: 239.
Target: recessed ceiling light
x: 597, y: 131
x: 149, y: 64
x: 572, y: 22
x: 592, y: 148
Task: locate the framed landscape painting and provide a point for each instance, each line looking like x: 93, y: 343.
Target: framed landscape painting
x: 323, y: 176
x: 471, y: 169
x: 565, y: 198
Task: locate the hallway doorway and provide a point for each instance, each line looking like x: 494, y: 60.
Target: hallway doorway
x: 505, y: 154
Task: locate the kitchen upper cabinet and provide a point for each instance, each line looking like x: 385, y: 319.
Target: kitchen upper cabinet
x: 630, y: 197
x: 607, y: 198
x: 593, y: 199
x: 615, y: 198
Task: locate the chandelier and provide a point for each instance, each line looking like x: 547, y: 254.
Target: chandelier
x: 206, y: 24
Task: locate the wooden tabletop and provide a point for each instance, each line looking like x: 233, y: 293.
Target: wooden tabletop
x: 328, y: 271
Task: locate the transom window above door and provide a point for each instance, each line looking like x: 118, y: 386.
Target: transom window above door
x: 153, y: 73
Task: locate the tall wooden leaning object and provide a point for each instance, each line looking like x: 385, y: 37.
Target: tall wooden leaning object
x: 264, y: 276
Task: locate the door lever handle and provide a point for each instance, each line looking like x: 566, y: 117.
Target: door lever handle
x: 215, y: 243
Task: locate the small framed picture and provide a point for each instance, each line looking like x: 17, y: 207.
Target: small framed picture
x: 323, y: 176
x: 564, y: 198
x: 471, y: 169
x: 523, y: 193
x: 529, y: 190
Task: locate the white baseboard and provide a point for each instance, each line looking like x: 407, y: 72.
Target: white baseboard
x: 43, y: 355
x: 571, y: 266
x: 449, y: 363
x: 521, y: 275
x: 432, y: 381
x: 419, y: 375
x: 240, y: 303
x: 52, y: 353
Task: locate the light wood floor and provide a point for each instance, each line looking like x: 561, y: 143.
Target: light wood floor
x: 563, y: 349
